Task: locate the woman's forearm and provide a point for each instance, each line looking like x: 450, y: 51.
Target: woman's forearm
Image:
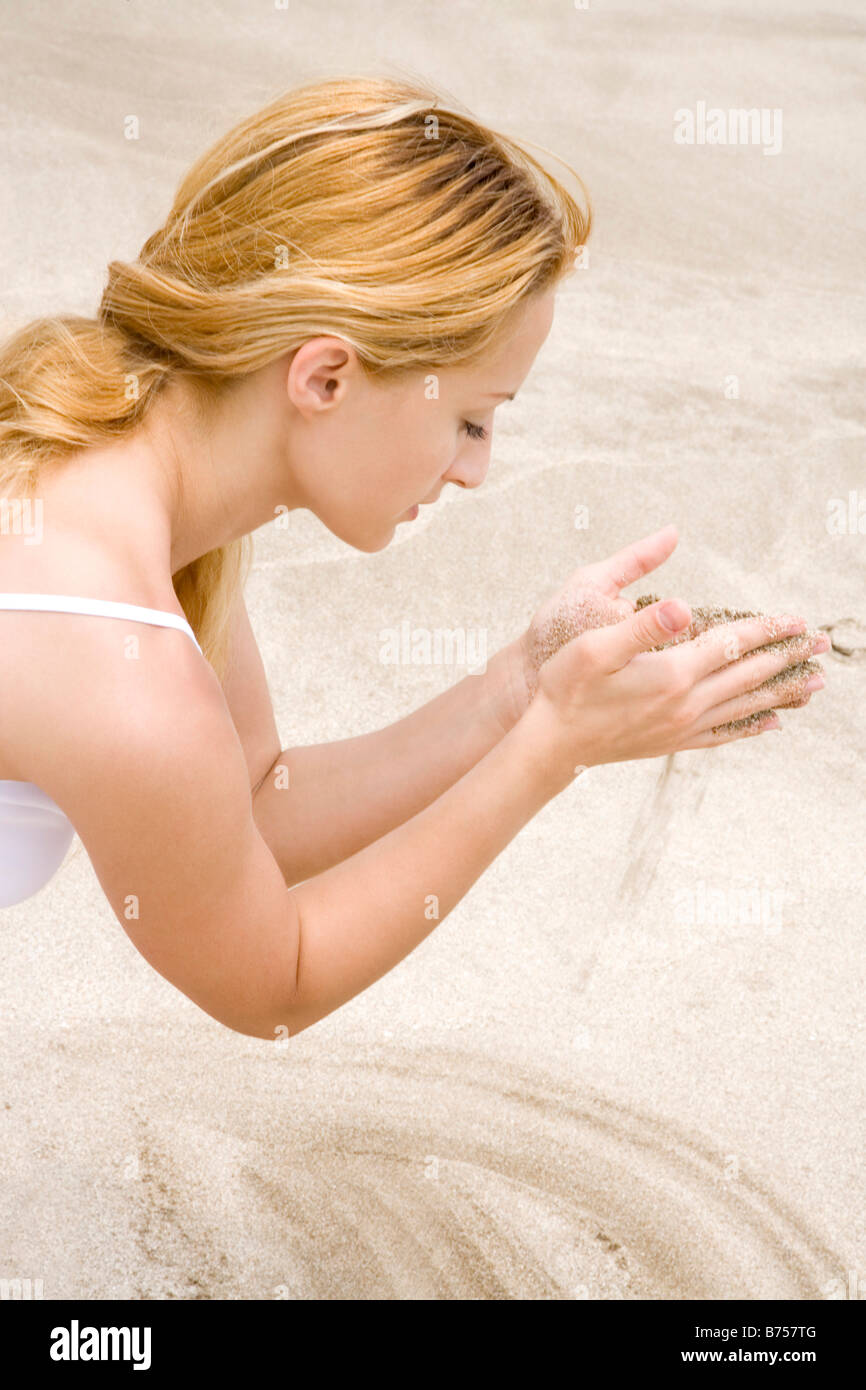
x: 318, y: 805
x: 360, y: 918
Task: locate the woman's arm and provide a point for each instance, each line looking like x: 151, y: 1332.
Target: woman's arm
x: 156, y: 784
x: 318, y: 805
x: 608, y: 696
x: 147, y: 764
x: 342, y: 796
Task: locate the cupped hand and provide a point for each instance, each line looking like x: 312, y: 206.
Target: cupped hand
x: 624, y: 692
x: 590, y: 597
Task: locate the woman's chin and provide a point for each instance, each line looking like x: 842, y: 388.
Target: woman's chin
x: 369, y: 543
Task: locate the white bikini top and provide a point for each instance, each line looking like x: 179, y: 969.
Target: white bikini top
x: 34, y: 833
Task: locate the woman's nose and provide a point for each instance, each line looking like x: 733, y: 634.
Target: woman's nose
x: 470, y: 470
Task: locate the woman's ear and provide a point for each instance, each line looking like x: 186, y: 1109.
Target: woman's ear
x: 319, y: 372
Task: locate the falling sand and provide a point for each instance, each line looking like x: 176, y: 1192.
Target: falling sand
x: 595, y: 610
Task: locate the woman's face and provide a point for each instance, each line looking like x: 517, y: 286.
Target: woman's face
x: 363, y: 455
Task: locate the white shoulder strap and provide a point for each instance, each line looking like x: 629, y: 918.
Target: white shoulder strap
x: 97, y: 608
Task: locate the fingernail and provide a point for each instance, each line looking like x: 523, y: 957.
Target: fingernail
x: 822, y: 644
x: 815, y: 682
x: 671, y: 616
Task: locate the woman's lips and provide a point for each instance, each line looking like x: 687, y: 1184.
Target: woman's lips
x: 411, y: 512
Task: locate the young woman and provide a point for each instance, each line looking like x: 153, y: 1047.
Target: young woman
x: 346, y: 287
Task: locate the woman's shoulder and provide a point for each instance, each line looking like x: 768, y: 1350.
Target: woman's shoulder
x: 94, y: 700
x: 96, y: 666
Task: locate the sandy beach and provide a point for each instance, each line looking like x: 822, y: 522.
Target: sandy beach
x: 604, y: 1076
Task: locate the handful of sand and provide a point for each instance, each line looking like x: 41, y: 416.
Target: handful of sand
x: 712, y: 616
x: 592, y: 609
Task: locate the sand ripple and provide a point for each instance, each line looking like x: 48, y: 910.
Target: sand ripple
x: 387, y: 1171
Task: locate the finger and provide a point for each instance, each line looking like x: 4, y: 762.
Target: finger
x: 767, y: 669
x: 727, y: 642
x: 614, y: 646
x: 635, y: 560
x: 787, y: 690
x: 731, y: 733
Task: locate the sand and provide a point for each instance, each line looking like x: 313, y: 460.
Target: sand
x: 706, y: 616
x: 577, y: 614
x: 588, y: 1082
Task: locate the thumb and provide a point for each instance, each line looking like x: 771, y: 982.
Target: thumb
x: 652, y: 626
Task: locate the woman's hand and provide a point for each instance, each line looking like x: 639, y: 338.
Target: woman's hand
x: 607, y: 696
x: 589, y: 598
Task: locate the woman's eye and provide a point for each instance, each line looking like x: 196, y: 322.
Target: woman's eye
x: 474, y: 431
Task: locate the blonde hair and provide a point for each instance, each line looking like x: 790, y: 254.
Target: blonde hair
x: 362, y: 208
